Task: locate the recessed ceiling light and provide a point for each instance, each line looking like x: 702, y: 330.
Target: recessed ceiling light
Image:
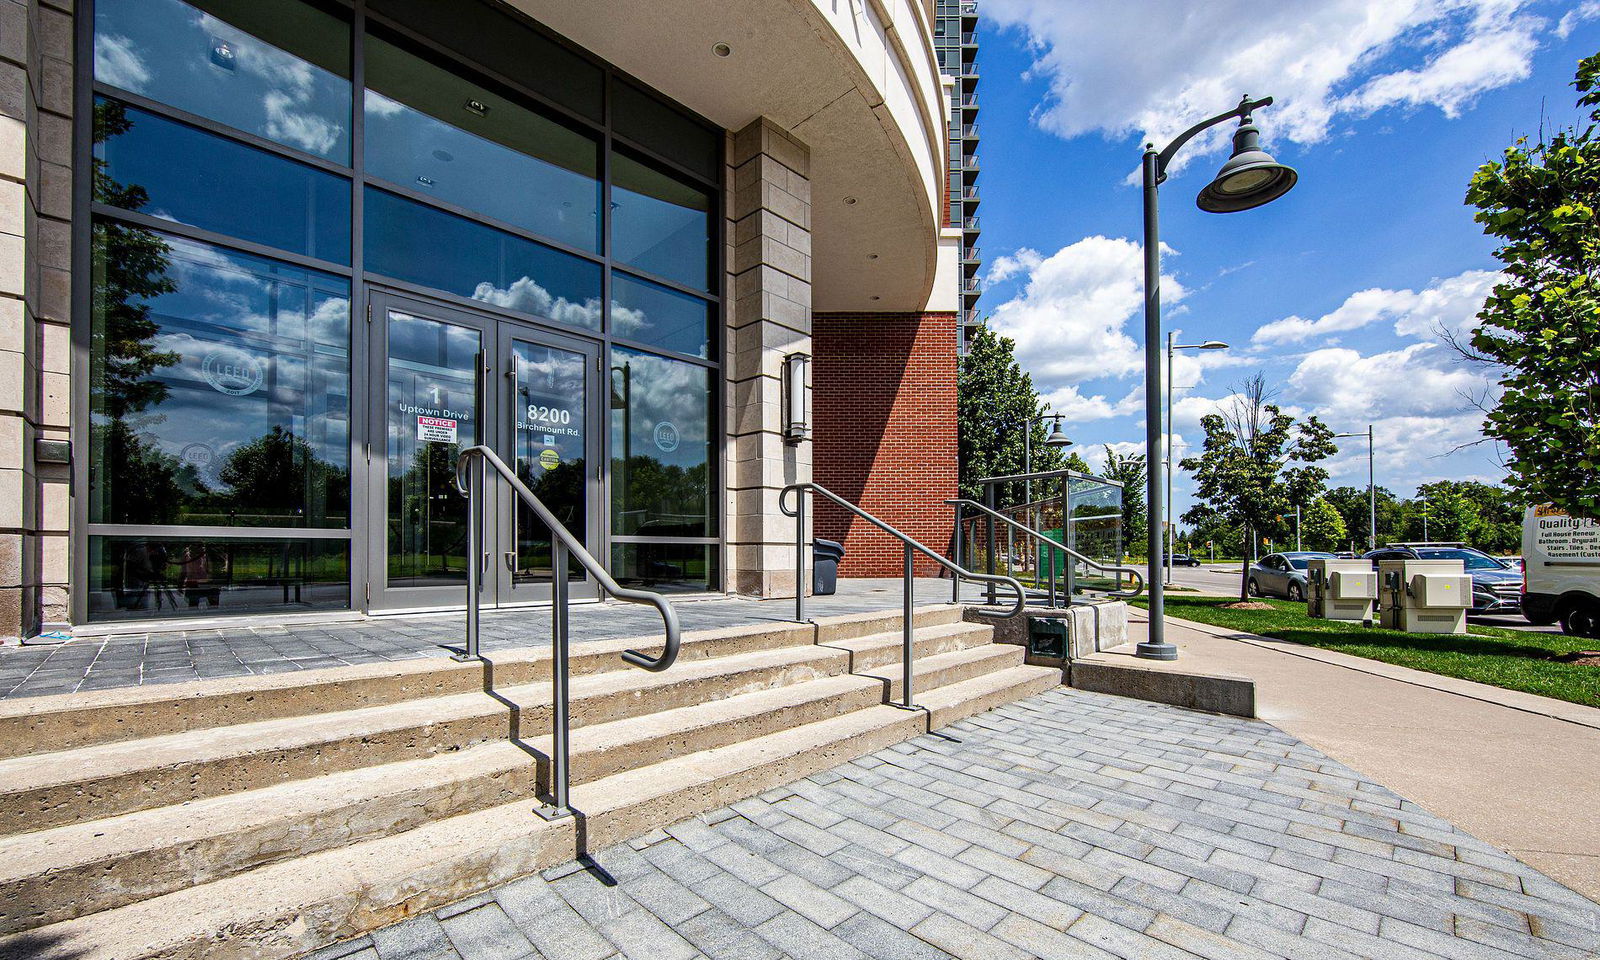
x: 478, y: 107
x: 849, y: 201
x: 722, y: 50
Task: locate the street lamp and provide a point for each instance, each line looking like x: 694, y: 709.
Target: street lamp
x: 1171, y: 346
x: 1249, y: 179
x: 1372, y: 490
x: 1423, y: 496
x: 1055, y: 439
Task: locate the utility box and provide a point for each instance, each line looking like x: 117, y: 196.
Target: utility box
x: 1341, y: 589
x: 1423, y: 596
x: 1047, y: 638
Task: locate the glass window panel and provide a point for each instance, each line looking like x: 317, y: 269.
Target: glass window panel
x: 664, y: 129
x: 659, y: 223
x: 433, y: 131
x: 661, y: 316
x: 159, y: 577
x: 176, y: 172
x: 433, y: 403
x: 661, y: 473
x: 219, y: 386
x: 505, y: 43
x: 415, y: 242
x: 276, y: 68
x: 666, y: 567
x: 549, y: 385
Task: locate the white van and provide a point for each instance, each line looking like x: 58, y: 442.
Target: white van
x: 1561, y: 570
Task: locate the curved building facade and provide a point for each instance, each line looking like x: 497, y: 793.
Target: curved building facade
x: 268, y: 266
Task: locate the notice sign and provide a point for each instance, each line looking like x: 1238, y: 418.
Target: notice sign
x: 436, y: 430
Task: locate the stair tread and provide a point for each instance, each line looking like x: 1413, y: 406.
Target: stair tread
x: 299, y: 904
x: 96, y: 840
x: 894, y: 638
x: 931, y: 665
x: 128, y: 756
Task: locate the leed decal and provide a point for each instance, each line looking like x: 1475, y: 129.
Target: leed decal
x: 549, y: 459
x: 231, y: 371
x: 666, y: 436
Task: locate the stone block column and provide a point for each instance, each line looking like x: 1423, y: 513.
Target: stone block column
x: 769, y: 266
x: 36, y: 50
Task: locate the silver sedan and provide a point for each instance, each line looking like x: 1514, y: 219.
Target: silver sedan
x: 1282, y: 574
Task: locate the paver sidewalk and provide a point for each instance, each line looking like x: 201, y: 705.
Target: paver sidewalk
x: 1501, y: 764
x: 1066, y: 825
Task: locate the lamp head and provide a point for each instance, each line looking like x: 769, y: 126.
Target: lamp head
x: 1213, y: 345
x: 1057, y: 438
x: 1250, y: 178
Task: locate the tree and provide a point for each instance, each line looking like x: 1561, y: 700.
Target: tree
x: 1354, y: 507
x: 1541, y: 326
x: 1244, y: 469
x: 994, y: 399
x: 1130, y: 472
x: 1321, y: 526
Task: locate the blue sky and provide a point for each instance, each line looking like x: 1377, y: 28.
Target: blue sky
x: 1336, y: 292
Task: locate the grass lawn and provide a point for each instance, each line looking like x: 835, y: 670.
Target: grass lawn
x: 1502, y: 658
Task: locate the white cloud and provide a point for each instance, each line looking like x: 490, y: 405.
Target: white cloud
x: 1152, y: 68
x: 118, y: 63
x: 1070, y: 319
x: 1074, y: 407
x: 1588, y: 10
x: 1023, y: 261
x: 1450, y: 304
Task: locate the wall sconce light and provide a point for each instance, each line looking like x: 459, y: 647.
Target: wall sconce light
x: 796, y: 426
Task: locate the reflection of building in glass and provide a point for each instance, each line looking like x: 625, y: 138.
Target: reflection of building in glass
x: 304, y: 296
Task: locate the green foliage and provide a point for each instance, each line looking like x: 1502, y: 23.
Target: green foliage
x: 1321, y: 526
x: 1504, y: 658
x: 994, y: 399
x: 1541, y: 326
x: 1256, y: 463
x: 1130, y: 472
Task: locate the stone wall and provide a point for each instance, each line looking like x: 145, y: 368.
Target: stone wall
x: 36, y: 97
x: 769, y: 266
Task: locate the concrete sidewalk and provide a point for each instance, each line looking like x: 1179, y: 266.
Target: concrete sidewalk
x: 1517, y: 770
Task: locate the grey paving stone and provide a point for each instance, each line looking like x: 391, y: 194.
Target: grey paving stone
x: 641, y: 936
x: 722, y: 937
x: 809, y: 900
x: 962, y: 940
x: 884, y: 941
x: 486, y: 933
x: 799, y: 937
x: 422, y: 938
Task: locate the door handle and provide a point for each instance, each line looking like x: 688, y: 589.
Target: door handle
x: 511, y: 560
x: 483, y: 568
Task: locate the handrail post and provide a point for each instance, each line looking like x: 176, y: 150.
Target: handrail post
x: 560, y: 607
x: 988, y: 497
x: 474, y: 559
x: 955, y: 581
x: 909, y: 603
x: 799, y: 555
x: 1052, y: 552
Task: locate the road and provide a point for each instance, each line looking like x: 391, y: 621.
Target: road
x: 1223, y: 580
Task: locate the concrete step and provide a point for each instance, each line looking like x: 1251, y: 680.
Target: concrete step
x: 943, y: 669
x: 879, y: 649
x: 30, y: 725
x: 91, y: 783
x: 51, y: 875
x: 286, y: 908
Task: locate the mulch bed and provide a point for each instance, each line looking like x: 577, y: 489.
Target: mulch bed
x: 1583, y: 658
x: 1248, y: 605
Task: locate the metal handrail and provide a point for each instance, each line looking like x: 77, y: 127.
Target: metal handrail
x: 1116, y: 569
x: 912, y: 547
x: 469, y: 481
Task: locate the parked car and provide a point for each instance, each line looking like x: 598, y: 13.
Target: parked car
x: 1562, y: 577
x: 1184, y: 560
x: 1282, y: 574
x: 1496, y: 586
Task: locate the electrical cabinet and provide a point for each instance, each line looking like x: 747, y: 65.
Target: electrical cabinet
x: 1341, y: 589
x: 1423, y: 596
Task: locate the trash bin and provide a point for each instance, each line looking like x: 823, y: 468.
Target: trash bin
x: 825, y: 557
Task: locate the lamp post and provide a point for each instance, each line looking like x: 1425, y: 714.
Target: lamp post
x: 1424, y: 498
x: 1372, y: 490
x: 1248, y: 179
x: 1055, y: 439
x: 1167, y: 463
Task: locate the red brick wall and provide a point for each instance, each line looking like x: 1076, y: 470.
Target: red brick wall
x: 884, y: 407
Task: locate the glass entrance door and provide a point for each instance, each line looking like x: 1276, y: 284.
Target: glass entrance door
x: 441, y: 369
x: 553, y: 450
